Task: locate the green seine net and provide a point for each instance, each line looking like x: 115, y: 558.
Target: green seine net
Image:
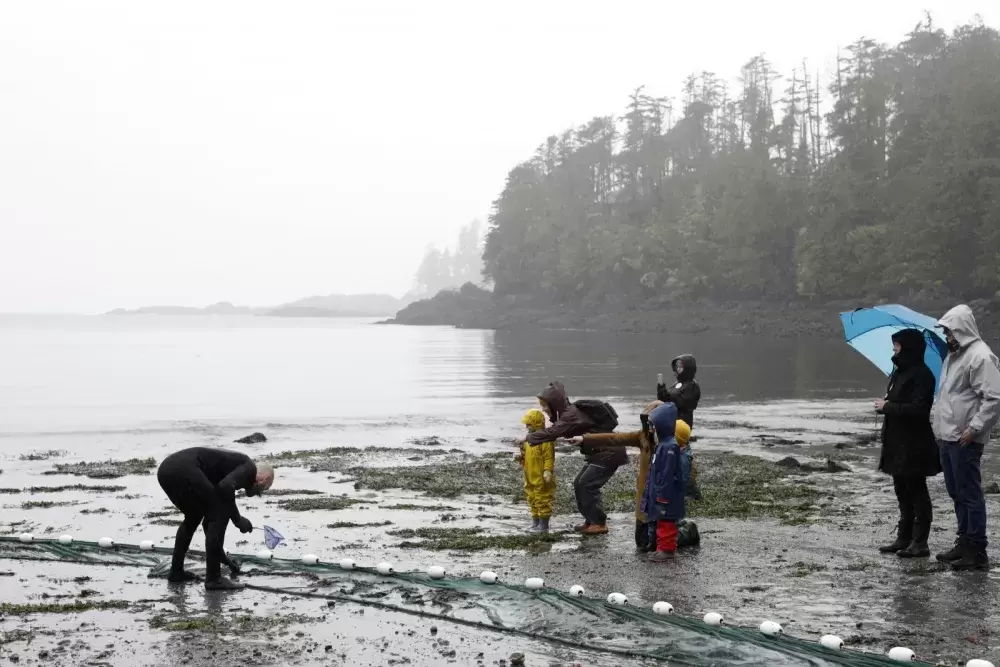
x: 542, y: 614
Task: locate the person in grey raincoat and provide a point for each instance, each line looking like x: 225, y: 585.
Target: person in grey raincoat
x: 966, y: 410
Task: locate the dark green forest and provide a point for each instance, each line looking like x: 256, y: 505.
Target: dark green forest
x: 883, y: 182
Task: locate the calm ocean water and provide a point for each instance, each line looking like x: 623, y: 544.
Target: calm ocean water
x: 101, y: 384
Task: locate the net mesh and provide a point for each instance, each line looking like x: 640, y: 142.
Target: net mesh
x: 544, y: 614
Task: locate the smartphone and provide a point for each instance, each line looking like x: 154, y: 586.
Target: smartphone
x: 659, y: 378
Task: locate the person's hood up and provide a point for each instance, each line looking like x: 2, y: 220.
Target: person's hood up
x: 648, y: 410
x: 664, y: 420
x: 690, y: 367
x: 962, y: 324
x: 555, y: 397
x: 534, y: 419
x: 914, y: 346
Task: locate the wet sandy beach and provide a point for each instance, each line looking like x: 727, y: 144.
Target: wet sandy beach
x: 778, y: 542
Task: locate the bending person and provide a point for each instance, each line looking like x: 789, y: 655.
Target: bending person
x: 201, y: 482
x: 573, y: 419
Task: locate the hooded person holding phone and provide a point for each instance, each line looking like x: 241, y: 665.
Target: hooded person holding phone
x: 684, y: 393
x: 202, y: 482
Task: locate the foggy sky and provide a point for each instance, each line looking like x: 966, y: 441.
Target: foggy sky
x: 184, y: 153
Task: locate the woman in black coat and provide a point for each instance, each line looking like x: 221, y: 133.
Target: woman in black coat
x: 909, y: 450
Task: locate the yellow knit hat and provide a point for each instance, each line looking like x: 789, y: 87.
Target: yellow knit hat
x: 682, y: 432
x: 534, y: 418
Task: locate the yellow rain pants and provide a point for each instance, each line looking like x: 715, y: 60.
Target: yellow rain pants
x: 540, y: 494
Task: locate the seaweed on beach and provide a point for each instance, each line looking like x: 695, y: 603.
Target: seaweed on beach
x: 105, y: 469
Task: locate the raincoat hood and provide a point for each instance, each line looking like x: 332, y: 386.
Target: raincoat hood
x: 644, y: 415
x: 962, y: 324
x: 555, y: 396
x: 914, y: 346
x: 664, y: 420
x: 534, y: 419
x: 690, y: 367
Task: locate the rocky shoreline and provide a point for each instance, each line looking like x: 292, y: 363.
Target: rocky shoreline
x: 474, y: 308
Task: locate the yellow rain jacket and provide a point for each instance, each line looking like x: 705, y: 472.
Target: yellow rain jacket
x: 537, y: 461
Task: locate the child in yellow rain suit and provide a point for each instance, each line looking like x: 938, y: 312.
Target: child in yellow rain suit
x: 539, y: 474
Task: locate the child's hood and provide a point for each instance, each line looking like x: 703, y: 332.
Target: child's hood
x: 534, y: 419
x: 664, y: 420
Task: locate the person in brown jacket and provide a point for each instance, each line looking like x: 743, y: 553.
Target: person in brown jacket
x: 575, y: 419
x: 643, y: 441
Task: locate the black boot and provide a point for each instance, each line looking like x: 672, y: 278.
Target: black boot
x: 904, y: 535
x: 953, y: 555
x: 918, y: 548
x: 973, y: 558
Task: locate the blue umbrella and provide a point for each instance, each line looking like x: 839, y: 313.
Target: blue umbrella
x: 870, y: 330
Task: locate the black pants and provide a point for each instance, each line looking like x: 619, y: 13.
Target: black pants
x: 915, y: 509
x: 587, y: 485
x: 194, y: 495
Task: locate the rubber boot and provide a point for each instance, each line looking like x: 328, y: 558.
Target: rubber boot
x: 953, y: 555
x: 542, y: 526
x: 973, y: 558
x: 595, y: 529
x: 904, y: 535
x: 687, y: 534
x: 918, y: 547
x: 181, y: 577
x: 534, y: 524
x: 661, y: 556
x: 223, y: 584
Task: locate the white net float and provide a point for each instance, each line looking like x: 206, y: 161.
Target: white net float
x: 663, y: 608
x: 713, y: 618
x: 902, y: 654
x: 770, y: 629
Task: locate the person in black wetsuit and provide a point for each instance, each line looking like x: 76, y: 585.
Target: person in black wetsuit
x: 201, y: 482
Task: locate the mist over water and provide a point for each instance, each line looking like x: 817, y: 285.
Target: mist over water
x: 108, y: 382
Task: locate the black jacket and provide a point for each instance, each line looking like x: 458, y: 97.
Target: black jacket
x: 685, y: 393
x: 569, y: 421
x: 908, y: 445
x: 226, y: 470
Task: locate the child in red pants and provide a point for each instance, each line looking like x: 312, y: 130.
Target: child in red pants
x: 663, y: 497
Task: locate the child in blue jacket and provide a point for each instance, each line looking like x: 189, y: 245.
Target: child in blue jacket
x: 663, y: 497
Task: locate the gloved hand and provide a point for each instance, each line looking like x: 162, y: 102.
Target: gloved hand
x: 234, y: 566
x: 547, y: 476
x: 244, y: 525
